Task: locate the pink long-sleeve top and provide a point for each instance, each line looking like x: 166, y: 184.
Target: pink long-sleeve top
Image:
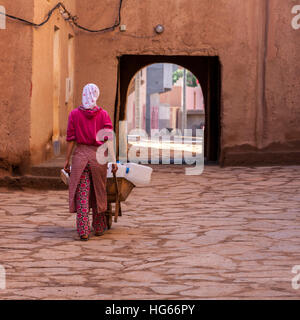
x: 85, y: 126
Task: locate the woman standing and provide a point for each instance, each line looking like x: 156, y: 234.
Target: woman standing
x: 87, y: 188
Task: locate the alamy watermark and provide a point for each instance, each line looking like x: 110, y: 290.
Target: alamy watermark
x: 2, y: 278
x: 2, y: 18
x: 161, y: 146
x: 296, y: 18
x: 296, y: 279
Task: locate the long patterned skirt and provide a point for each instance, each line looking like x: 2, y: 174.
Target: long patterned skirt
x: 85, y: 199
x: 82, y: 156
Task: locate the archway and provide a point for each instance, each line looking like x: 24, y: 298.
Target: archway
x: 208, y: 72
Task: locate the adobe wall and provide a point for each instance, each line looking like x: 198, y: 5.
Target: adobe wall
x: 26, y: 82
x: 257, y: 49
x: 41, y: 146
x: 277, y: 117
x: 15, y: 85
x: 257, y: 46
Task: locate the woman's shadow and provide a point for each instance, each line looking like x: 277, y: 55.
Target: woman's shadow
x: 57, y: 232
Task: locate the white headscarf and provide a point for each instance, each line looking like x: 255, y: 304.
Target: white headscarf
x: 90, y: 96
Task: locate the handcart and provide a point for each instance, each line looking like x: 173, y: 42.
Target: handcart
x: 118, y: 190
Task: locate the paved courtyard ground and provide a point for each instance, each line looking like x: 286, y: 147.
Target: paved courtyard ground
x: 229, y: 233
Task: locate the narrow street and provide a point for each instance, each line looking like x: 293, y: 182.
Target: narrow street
x: 230, y: 233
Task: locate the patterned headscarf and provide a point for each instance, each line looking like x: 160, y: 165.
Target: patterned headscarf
x: 90, y: 96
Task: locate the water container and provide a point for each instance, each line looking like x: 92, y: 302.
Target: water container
x: 65, y: 177
x: 120, y: 173
x: 138, y: 174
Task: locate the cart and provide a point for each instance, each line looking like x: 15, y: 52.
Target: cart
x: 118, y: 190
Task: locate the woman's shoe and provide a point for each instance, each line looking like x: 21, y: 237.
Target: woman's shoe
x: 99, y: 233
x: 84, y: 238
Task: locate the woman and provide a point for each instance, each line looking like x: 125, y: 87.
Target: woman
x: 87, y: 188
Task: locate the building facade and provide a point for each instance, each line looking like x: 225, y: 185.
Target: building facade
x: 245, y: 54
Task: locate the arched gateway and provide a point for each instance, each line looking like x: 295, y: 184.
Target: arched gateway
x: 208, y: 72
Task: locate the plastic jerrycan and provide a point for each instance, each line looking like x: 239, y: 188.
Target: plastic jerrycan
x: 120, y: 173
x: 138, y: 174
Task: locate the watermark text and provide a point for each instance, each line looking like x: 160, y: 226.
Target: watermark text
x: 2, y: 278
x: 161, y: 146
x: 2, y: 18
x: 296, y: 279
x: 296, y: 18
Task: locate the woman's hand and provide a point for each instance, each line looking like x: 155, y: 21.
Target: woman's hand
x: 67, y: 166
x: 70, y: 147
x: 114, y: 168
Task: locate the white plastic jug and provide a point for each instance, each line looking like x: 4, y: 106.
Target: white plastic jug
x: 138, y: 174
x: 120, y: 173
